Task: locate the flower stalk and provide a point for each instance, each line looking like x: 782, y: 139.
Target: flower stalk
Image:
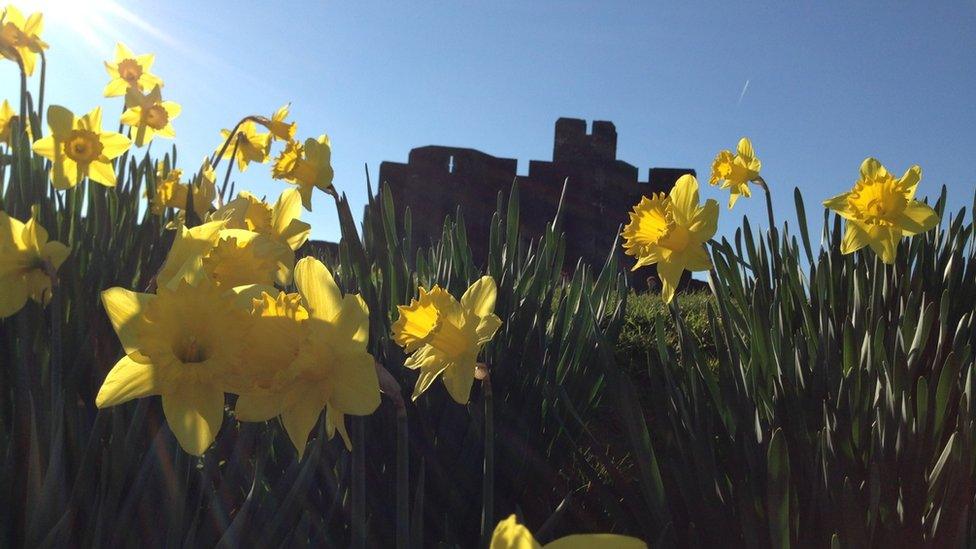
x: 488, y: 480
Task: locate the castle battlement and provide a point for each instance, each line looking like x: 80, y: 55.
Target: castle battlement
x: 436, y: 180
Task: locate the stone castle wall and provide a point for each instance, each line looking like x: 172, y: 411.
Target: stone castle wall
x: 435, y: 181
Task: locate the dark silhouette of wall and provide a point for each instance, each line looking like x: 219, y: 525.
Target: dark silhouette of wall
x: 601, y: 190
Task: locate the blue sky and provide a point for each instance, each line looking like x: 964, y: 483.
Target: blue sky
x: 828, y: 84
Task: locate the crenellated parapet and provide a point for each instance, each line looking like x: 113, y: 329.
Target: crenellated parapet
x: 436, y: 181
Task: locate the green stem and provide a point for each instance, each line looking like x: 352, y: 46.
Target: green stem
x: 219, y: 155
x: 769, y: 201
x: 40, y: 97
x: 358, y: 503
x: 488, y: 480
x: 403, y: 477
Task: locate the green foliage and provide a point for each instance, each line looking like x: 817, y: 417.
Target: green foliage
x: 840, y: 409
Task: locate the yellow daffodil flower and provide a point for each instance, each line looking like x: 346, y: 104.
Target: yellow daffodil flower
x: 179, y: 344
x: 285, y: 131
x: 129, y: 70
x: 78, y: 147
x: 308, y: 166
x: 671, y: 230
x: 277, y: 330
x: 444, y: 336
x: 242, y: 257
x: 184, y: 262
x: 281, y: 221
x: 509, y: 534
x: 880, y: 210
x: 251, y: 145
x: 333, y: 370
x: 171, y: 193
x: 148, y: 115
x: 7, y: 119
x: 20, y: 37
x: 27, y: 261
x: 735, y: 172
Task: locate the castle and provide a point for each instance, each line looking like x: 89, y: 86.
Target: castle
x: 601, y: 190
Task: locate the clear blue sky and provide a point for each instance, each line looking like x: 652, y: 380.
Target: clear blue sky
x: 828, y: 84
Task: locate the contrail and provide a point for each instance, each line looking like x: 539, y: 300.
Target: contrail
x: 743, y: 94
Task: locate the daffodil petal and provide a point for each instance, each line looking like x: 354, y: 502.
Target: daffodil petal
x: 918, y: 218
x: 487, y: 326
x: 596, y: 541
x: 194, y: 413
x: 13, y: 293
x: 254, y: 407
x: 356, y: 388
x: 60, y: 120
x: 300, y: 416
x: 670, y: 273
x: 684, y: 197
x: 854, y: 239
x: 102, y: 172
x: 127, y: 380
x: 124, y: 309
x: 458, y: 378
x: 509, y: 534
x: 318, y: 287
x: 480, y: 297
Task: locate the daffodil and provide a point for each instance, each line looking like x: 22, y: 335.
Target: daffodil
x: 148, y: 115
x: 308, y: 166
x: 280, y: 221
x: 184, y: 262
x: 671, y: 230
x: 509, y: 534
x: 171, y: 193
x: 180, y: 344
x: 20, y: 37
x: 250, y: 146
x: 444, y: 336
x: 242, y: 257
x: 880, y: 210
x: 78, y: 147
x: 277, y: 330
x: 735, y: 172
x: 129, y: 70
x: 285, y: 131
x: 27, y: 262
x: 332, y: 370
x: 7, y: 120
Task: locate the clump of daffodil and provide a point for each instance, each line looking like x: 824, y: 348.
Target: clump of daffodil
x: 444, y: 336
x: 735, y: 171
x: 172, y: 193
x: 20, y: 37
x: 308, y: 166
x: 247, y: 146
x: 28, y: 261
x: 509, y: 534
x: 129, y: 70
x: 881, y: 209
x: 333, y: 369
x: 180, y: 344
x: 7, y: 120
x: 77, y: 148
x: 279, y: 128
x: 277, y: 330
x: 670, y: 230
x: 148, y: 115
x: 242, y: 257
x: 280, y: 221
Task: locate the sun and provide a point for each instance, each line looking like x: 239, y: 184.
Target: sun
x: 95, y: 22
